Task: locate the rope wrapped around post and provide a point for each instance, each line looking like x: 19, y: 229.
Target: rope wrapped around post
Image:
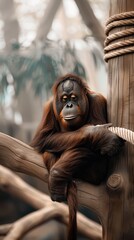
x: 124, y: 45
x: 121, y: 47
x: 124, y: 133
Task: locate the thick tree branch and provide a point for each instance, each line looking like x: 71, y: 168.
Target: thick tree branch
x: 18, y: 229
x: 16, y: 186
x: 90, y: 20
x: 20, y: 157
x: 47, y: 19
x: 5, y: 228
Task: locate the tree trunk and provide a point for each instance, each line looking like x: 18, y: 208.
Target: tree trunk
x: 11, y: 25
x: 46, y: 22
x: 90, y: 20
x: 119, y: 223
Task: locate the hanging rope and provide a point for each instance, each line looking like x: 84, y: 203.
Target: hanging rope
x: 123, y: 44
x: 124, y: 133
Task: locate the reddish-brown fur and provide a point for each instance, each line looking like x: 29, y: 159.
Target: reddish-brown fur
x: 79, y: 148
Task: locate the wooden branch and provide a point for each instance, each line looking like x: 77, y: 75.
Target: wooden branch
x: 20, y: 157
x: 16, y: 186
x: 30, y: 221
x: 46, y: 21
x: 5, y: 228
x: 91, y: 21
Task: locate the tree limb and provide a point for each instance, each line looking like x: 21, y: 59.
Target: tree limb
x: 91, y: 21
x: 46, y: 21
x: 17, y: 187
x: 20, y: 157
x: 25, y: 224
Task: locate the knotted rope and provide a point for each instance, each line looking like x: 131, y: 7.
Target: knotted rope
x: 123, y: 44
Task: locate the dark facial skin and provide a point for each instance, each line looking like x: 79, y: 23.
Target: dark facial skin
x: 71, y: 105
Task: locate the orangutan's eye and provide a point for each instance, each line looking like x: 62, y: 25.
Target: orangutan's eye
x: 73, y: 97
x: 64, y: 99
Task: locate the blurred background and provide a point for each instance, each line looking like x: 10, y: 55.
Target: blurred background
x: 41, y: 40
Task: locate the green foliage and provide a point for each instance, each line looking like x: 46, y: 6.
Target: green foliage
x: 43, y: 69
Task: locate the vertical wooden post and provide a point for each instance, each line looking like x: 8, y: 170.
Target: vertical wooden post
x: 120, y: 186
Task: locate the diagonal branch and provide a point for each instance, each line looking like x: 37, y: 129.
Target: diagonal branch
x: 20, y: 157
x: 90, y: 20
x: 16, y: 186
x: 46, y: 22
x: 18, y: 229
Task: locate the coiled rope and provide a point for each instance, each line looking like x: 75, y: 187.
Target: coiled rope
x: 124, y: 133
x: 123, y: 44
